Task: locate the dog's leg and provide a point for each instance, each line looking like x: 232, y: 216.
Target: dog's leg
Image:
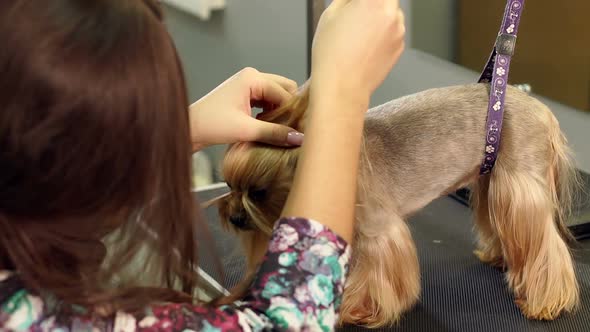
x: 540, y: 266
x: 489, y: 249
x: 384, y: 279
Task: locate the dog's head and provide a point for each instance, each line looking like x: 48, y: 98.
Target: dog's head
x: 260, y: 175
x: 259, y: 178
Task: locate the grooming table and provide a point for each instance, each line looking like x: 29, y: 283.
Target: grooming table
x: 458, y: 292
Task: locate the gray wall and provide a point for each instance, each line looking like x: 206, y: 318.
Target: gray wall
x: 434, y: 27
x: 247, y: 33
x: 269, y: 36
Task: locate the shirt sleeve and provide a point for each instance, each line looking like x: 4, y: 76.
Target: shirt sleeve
x: 298, y: 287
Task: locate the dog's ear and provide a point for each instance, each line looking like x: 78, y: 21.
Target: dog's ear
x: 292, y: 114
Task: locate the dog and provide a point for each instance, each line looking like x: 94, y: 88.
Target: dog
x: 414, y: 150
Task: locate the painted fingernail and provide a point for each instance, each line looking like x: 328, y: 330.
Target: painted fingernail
x: 295, y: 138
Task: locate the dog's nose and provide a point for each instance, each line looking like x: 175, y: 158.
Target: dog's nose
x: 239, y: 220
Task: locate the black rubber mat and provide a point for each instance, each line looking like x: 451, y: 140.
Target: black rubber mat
x: 225, y: 251
x: 458, y: 292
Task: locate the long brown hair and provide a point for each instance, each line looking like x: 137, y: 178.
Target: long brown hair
x: 95, y: 202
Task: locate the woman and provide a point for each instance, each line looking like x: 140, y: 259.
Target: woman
x: 97, y: 221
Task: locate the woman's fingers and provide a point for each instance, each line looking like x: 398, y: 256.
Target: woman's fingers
x: 286, y: 83
x: 269, y: 91
x: 271, y: 133
x: 338, y: 4
x: 401, y: 23
x: 401, y: 31
x: 267, y: 88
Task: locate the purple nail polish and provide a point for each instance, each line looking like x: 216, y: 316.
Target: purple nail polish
x: 295, y: 138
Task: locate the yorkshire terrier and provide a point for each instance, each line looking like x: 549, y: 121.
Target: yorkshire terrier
x: 416, y: 149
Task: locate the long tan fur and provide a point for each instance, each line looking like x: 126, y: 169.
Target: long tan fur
x: 415, y: 149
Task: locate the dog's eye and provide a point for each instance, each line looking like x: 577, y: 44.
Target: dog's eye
x: 257, y: 195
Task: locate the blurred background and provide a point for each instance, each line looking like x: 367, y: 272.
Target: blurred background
x: 448, y: 41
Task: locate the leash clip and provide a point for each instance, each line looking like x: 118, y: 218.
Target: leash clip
x: 505, y: 44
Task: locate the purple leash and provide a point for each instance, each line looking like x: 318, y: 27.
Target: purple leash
x: 496, y: 73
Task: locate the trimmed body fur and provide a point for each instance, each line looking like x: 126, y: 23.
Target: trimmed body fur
x: 416, y: 149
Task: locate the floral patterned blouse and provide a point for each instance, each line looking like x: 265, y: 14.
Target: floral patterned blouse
x: 298, y: 288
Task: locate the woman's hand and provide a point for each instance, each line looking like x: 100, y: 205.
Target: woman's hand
x: 356, y: 44
x: 225, y: 114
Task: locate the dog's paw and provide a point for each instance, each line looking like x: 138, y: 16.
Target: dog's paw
x: 355, y: 316
x: 358, y: 316
x: 367, y: 318
x: 546, y: 314
x: 486, y: 258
